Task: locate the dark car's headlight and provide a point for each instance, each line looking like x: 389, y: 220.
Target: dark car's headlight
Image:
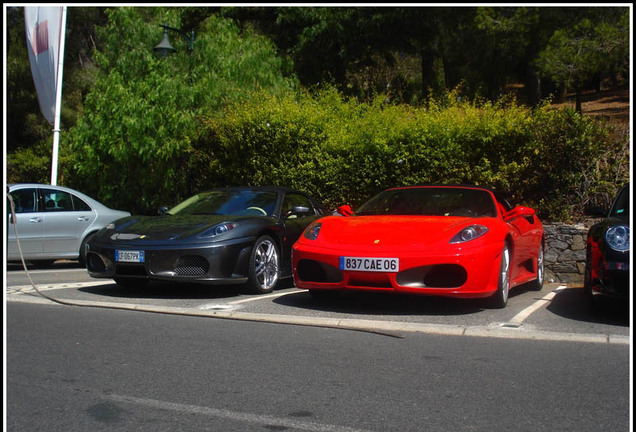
x: 617, y: 237
x: 218, y: 230
x: 312, y: 231
x: 469, y: 233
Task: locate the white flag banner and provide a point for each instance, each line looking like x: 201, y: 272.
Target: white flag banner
x: 43, y: 33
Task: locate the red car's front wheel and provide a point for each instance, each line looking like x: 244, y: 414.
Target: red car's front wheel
x: 500, y: 298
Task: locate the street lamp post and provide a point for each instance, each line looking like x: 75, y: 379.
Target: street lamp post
x: 165, y: 48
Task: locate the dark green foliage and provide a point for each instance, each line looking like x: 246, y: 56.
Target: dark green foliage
x: 344, y: 151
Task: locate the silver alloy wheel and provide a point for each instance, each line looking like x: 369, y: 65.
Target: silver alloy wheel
x: 537, y: 285
x: 265, y: 265
x: 504, y: 277
x: 500, y: 299
x: 540, y: 265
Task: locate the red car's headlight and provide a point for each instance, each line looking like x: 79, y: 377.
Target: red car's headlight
x: 469, y: 233
x: 312, y: 231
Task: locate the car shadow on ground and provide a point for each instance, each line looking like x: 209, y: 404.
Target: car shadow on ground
x: 572, y: 304
x: 172, y: 291
x: 164, y: 290
x: 34, y: 265
x: 381, y: 303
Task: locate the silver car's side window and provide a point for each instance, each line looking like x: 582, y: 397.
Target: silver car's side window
x: 79, y: 204
x: 24, y: 200
x: 56, y: 201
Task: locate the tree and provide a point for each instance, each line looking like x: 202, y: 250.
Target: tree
x: 140, y: 130
x: 574, y: 56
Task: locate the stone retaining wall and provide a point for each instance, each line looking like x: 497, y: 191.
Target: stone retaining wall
x: 564, y: 252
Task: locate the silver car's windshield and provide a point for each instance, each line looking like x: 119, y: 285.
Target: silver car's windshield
x: 230, y: 203
x: 430, y: 201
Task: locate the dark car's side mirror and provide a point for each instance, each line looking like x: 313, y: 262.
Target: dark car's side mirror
x: 299, y: 211
x: 345, y: 210
x: 163, y: 211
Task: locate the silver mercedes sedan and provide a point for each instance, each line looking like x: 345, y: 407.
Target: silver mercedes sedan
x: 52, y: 223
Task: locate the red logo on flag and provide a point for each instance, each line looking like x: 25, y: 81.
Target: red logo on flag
x: 40, y: 39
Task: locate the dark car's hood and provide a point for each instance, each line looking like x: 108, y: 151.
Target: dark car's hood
x: 163, y: 228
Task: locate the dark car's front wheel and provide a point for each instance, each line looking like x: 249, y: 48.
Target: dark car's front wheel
x: 264, y: 269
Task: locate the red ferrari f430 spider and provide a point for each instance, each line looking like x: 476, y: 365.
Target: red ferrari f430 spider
x: 457, y: 241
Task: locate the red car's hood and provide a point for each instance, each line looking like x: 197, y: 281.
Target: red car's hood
x: 392, y: 232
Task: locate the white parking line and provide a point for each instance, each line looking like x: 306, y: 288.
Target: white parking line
x: 21, y: 289
x: 267, y: 421
x: 264, y: 297
x: 524, y: 314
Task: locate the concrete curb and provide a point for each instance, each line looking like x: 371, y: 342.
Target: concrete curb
x: 387, y: 328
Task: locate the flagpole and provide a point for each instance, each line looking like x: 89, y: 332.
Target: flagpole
x: 58, y: 99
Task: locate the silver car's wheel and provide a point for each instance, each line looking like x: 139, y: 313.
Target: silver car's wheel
x: 500, y: 298
x: 264, y: 266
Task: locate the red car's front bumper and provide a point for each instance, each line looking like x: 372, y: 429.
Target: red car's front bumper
x: 461, y: 272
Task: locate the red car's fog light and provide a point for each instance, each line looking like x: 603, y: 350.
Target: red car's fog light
x: 315, y: 271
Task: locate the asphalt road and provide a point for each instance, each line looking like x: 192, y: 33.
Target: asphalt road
x: 97, y: 369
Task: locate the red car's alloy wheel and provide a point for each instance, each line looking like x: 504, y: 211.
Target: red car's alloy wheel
x: 500, y: 298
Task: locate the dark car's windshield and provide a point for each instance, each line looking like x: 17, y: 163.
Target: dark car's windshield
x: 431, y: 201
x: 229, y: 203
x: 620, y: 209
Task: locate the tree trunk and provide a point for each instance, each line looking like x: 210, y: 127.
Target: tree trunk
x: 579, y: 102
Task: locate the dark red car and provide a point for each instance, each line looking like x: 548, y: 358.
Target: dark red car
x: 607, y: 259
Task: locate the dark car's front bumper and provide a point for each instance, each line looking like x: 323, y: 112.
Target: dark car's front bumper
x: 219, y: 263
x: 612, y: 278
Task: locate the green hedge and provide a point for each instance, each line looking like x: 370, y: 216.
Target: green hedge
x: 344, y: 152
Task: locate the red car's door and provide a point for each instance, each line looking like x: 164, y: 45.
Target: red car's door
x: 526, y: 230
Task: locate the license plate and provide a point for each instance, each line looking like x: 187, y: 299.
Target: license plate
x: 389, y: 265
x: 129, y: 256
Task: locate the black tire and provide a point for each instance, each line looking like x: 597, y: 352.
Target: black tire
x: 499, y: 300
x: 264, y: 266
x: 537, y: 284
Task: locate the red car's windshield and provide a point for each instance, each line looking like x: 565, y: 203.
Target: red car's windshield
x: 431, y: 201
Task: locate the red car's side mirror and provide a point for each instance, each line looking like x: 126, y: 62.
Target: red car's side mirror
x: 345, y: 210
x: 519, y: 211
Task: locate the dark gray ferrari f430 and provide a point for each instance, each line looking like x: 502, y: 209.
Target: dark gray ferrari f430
x: 223, y: 236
